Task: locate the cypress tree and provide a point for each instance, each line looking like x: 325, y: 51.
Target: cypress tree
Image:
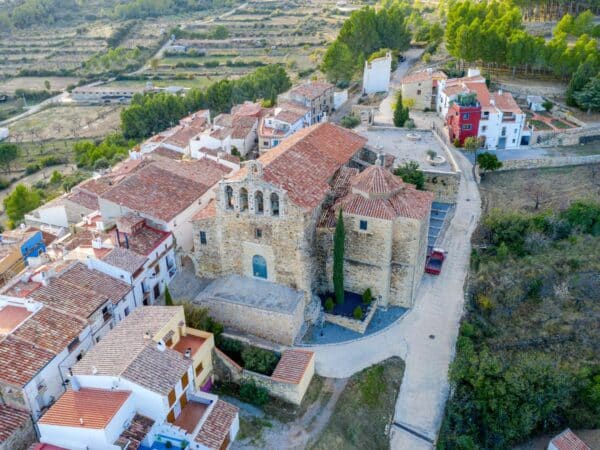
x: 168, y: 298
x: 338, y: 259
x: 400, y: 113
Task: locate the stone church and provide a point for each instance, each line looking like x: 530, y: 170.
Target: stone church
x: 274, y: 220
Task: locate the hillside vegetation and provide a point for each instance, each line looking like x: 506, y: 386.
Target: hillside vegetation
x: 528, y: 360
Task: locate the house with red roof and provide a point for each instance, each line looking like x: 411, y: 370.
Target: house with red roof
x: 274, y: 220
x: 501, y: 125
x: 567, y: 440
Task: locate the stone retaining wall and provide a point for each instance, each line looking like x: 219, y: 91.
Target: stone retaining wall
x: 516, y: 164
x: 227, y: 369
x: 360, y: 326
x: 443, y: 184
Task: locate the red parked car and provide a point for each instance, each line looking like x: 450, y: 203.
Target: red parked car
x: 434, y: 261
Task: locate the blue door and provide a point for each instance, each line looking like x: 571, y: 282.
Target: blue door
x: 259, y: 266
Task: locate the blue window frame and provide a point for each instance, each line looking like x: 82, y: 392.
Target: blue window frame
x: 203, y: 237
x: 363, y: 225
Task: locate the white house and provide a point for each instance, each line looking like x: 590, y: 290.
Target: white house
x: 535, y: 103
x: 139, y: 385
x: 283, y: 121
x: 377, y: 73
x: 4, y: 133
x: 38, y: 344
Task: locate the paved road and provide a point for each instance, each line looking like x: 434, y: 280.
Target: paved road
x: 437, y: 311
x: 385, y: 113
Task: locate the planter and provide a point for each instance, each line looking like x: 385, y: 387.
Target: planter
x: 437, y: 160
x: 413, y: 136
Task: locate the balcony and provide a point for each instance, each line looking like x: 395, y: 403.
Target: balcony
x: 190, y: 343
x: 190, y: 416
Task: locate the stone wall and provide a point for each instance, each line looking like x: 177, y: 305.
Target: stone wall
x: 21, y: 438
x: 235, y: 236
x: 360, y: 326
x: 563, y: 137
x: 271, y: 325
x: 443, y: 184
x: 516, y: 164
x: 227, y: 369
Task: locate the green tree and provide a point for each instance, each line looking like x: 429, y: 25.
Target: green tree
x: 19, y: 202
x: 580, y: 78
x: 488, y: 161
x: 411, y: 173
x: 338, y: 63
x: 259, y: 360
x: 219, y: 32
x: 589, y: 97
x: 8, y: 154
x: 339, y: 240
x: 400, y: 111
x: 168, y: 298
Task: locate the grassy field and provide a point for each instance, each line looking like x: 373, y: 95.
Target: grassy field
x: 551, y: 188
x: 364, y: 410
x: 35, y: 83
x: 66, y: 122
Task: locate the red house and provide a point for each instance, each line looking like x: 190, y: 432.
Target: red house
x: 463, y: 117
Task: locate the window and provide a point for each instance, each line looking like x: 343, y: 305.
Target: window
x: 73, y: 345
x: 199, y: 369
x: 259, y: 204
x: 184, y: 380
x: 466, y: 116
x: 126, y: 311
x: 483, y: 128
x: 80, y: 356
x: 257, y: 233
x: 266, y: 143
x: 243, y: 199
x: 229, y: 197
x: 275, y: 204
x: 486, y: 115
x: 467, y: 126
x: 363, y: 225
x: 418, y: 91
x: 503, y: 131
x: 172, y: 397
x: 157, y: 268
x: 203, y: 237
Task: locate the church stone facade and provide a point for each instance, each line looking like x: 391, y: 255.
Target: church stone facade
x: 275, y: 218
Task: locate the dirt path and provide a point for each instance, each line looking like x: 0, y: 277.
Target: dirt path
x: 302, y: 431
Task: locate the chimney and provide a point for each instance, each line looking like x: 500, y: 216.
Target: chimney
x: 188, y: 353
x: 160, y: 346
x: 81, y: 421
x: 147, y: 335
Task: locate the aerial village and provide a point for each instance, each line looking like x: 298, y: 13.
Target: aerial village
x: 346, y: 260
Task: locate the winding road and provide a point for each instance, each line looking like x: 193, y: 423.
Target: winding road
x: 424, y: 337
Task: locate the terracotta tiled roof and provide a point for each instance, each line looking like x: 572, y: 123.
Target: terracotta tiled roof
x: 166, y: 153
x: 50, y: 329
x: 11, y: 419
x: 506, y: 103
x: 247, y: 109
x: 210, y: 210
x: 96, y: 281
x: 143, y: 242
x: 126, y: 352
x: 26, y: 360
x: 164, y: 189
x: 215, y: 428
x: 11, y: 316
x: 311, y: 90
x: 125, y: 259
x: 423, y: 75
x: 376, y: 180
x: 69, y: 298
x: 567, y: 440
x: 243, y: 126
x: 304, y: 163
x: 133, y: 436
x: 85, y: 408
x: 292, y: 366
x: 85, y: 199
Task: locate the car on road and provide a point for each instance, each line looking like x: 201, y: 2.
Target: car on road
x: 402, y: 58
x: 434, y: 261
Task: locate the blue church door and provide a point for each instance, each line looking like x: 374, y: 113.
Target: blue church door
x: 259, y: 266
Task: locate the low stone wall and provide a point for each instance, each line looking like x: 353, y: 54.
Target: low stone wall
x: 271, y: 325
x: 360, y: 326
x: 516, y: 164
x: 227, y: 369
x: 551, y: 138
x: 21, y: 438
x: 443, y: 184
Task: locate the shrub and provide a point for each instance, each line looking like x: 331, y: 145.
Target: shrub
x: 252, y: 393
x: 410, y: 173
x: 357, y: 313
x: 31, y: 168
x: 367, y: 296
x: 56, y: 177
x: 329, y: 305
x: 232, y: 348
x: 48, y: 161
x: 259, y: 360
x: 456, y: 143
x: 101, y: 163
x: 4, y: 183
x: 350, y: 121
